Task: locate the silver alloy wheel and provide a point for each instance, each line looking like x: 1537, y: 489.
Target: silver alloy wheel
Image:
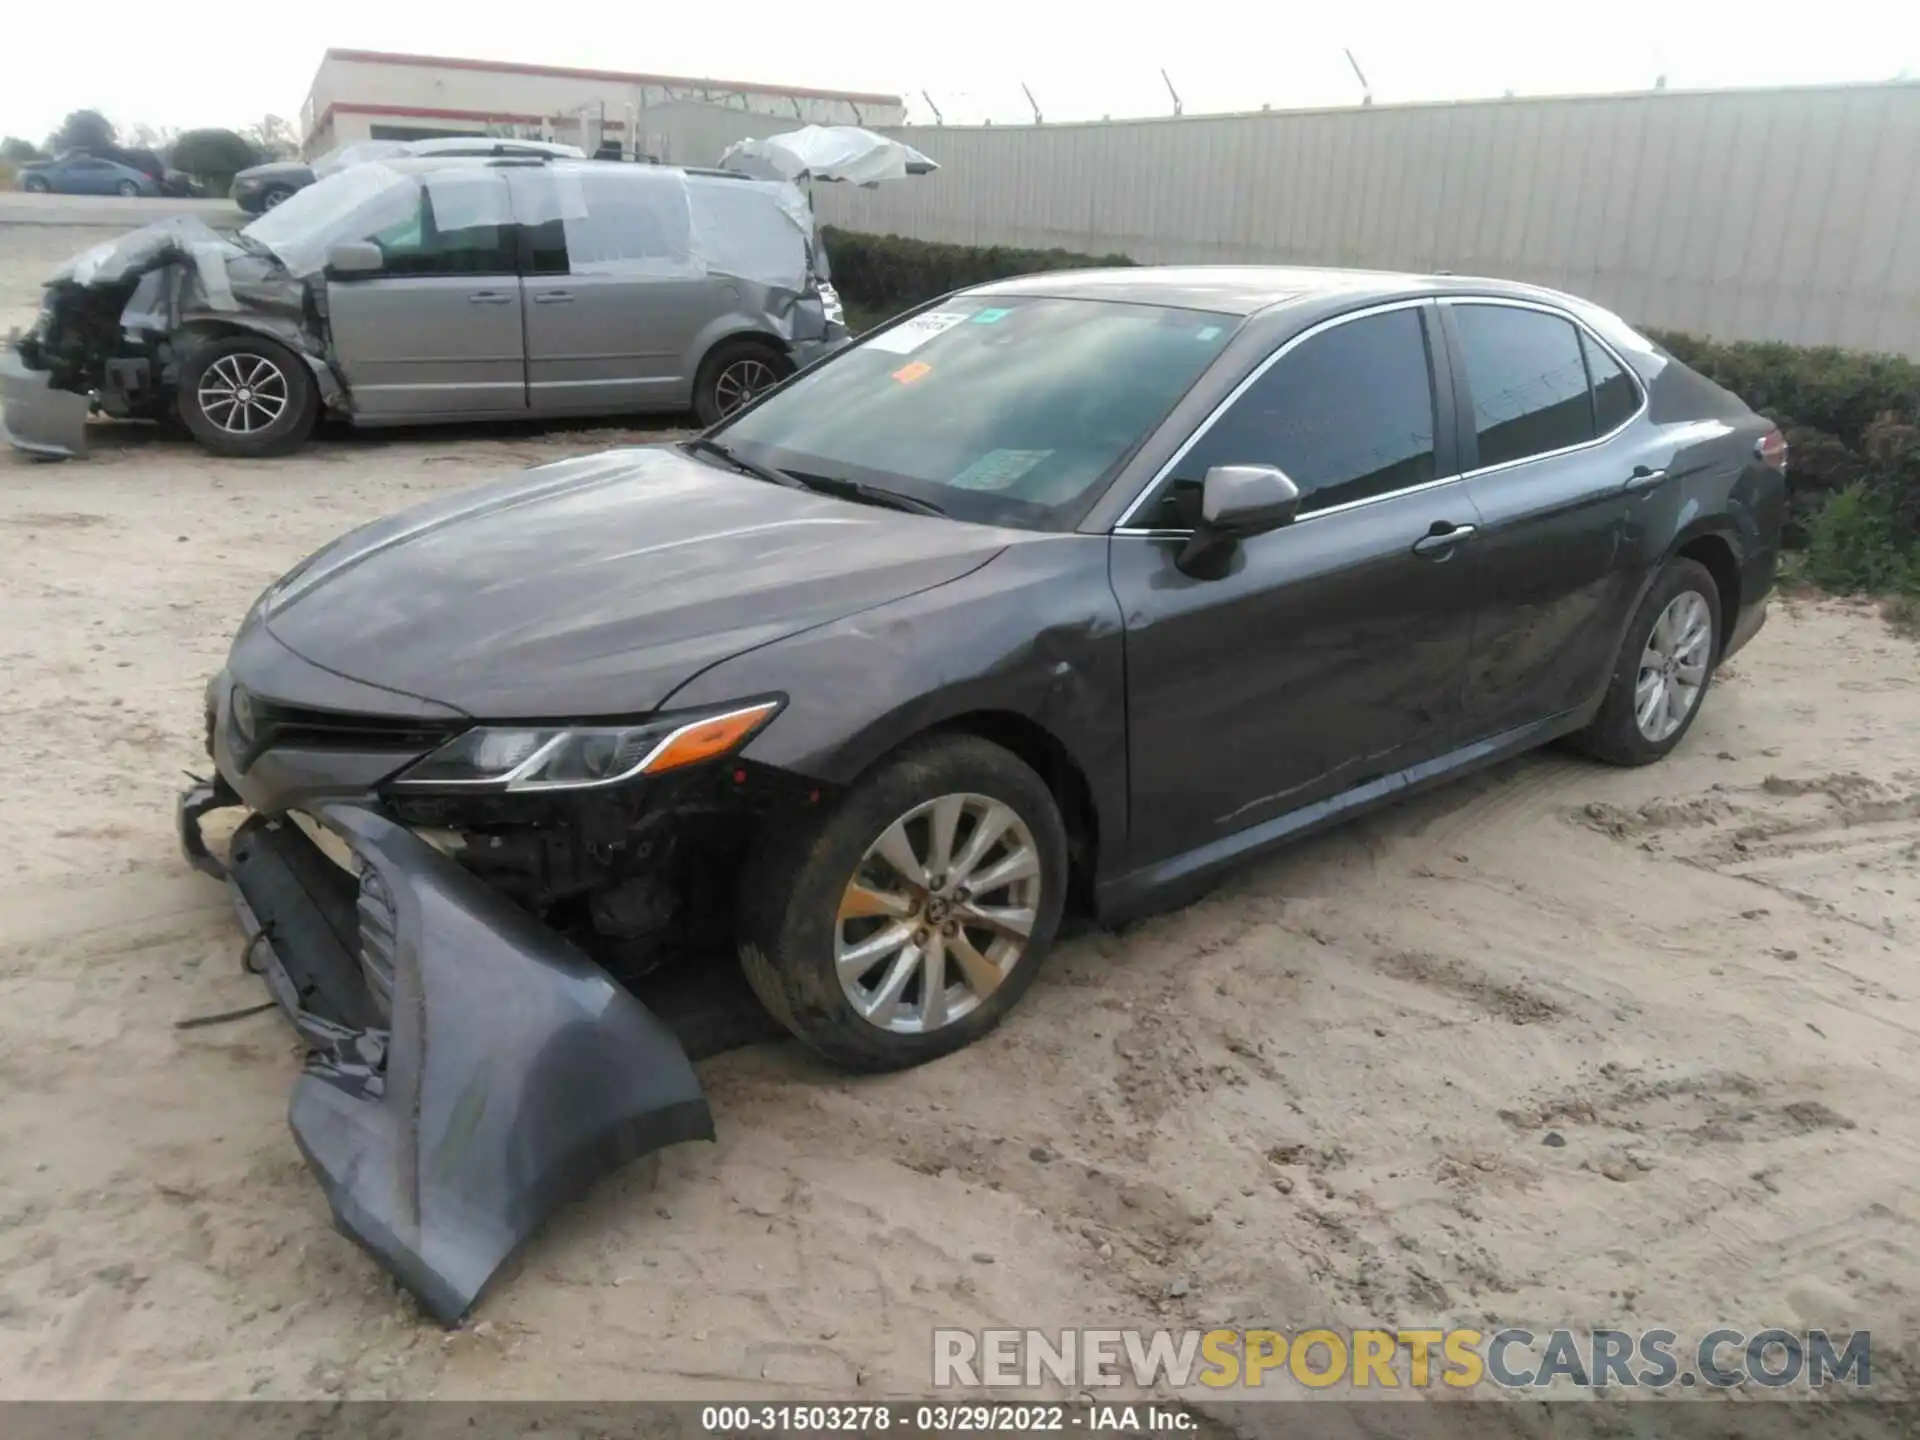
x: 740, y: 382
x: 1673, y: 667
x: 243, y: 393
x: 938, y: 913
x: 273, y: 198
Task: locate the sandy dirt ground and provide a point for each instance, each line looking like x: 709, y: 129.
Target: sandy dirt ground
x: 1557, y: 1044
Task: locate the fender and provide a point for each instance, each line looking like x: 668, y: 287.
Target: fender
x: 1034, y: 633
x: 333, y: 394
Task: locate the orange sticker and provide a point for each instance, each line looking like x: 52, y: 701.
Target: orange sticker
x: 907, y: 374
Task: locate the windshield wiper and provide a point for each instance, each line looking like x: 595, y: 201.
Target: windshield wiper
x: 252, y: 246
x: 870, y: 494
x: 821, y: 484
x: 701, y: 445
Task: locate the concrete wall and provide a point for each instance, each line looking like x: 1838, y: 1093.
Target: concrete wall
x: 1783, y: 214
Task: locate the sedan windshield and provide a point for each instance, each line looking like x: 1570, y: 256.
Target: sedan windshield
x: 1003, y: 409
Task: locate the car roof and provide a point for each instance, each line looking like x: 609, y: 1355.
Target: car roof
x: 1248, y: 289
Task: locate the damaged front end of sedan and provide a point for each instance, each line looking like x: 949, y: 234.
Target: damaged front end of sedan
x: 117, y: 320
x: 469, y: 948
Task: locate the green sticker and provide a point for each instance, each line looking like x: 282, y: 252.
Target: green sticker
x: 998, y: 469
x: 991, y: 317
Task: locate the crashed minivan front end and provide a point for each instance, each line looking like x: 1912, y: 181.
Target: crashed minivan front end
x: 116, y: 321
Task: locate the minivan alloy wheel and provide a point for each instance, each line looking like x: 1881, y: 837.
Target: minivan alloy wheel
x: 741, y: 381
x: 1673, y: 666
x: 938, y: 913
x: 242, y: 392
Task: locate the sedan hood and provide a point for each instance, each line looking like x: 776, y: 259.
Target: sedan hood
x: 598, y: 586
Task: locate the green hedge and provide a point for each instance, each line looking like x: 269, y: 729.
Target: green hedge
x: 881, y: 275
x: 1852, y: 419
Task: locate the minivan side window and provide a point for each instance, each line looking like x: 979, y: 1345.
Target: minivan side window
x: 452, y: 230
x: 1348, y: 415
x: 633, y: 225
x: 1528, y: 379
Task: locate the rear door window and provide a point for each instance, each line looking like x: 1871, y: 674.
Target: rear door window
x: 1615, y: 396
x: 1529, y: 381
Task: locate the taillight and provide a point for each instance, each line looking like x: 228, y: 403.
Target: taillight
x: 1772, y: 451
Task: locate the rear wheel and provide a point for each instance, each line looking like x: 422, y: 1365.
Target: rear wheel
x: 734, y: 373
x: 1663, y: 670
x: 128, y: 188
x: 905, y: 923
x: 246, y: 395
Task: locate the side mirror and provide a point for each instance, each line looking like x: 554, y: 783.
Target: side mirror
x: 1236, y: 503
x: 356, y: 257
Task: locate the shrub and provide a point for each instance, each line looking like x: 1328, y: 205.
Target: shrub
x: 1852, y: 422
x: 1856, y: 544
x: 213, y: 157
x: 882, y: 275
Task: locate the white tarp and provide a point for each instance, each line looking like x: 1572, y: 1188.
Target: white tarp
x: 827, y: 152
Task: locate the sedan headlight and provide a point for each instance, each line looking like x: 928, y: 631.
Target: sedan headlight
x: 578, y: 757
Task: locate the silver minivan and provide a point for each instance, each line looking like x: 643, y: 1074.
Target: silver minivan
x: 421, y: 290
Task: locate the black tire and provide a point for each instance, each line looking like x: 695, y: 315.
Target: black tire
x: 793, y: 889
x: 127, y: 188
x: 35, y: 185
x: 287, y: 431
x: 1616, y: 736
x: 733, y: 365
x: 273, y: 195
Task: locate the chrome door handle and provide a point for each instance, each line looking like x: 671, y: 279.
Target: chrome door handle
x: 488, y: 297
x: 1644, y: 478
x: 554, y: 297
x: 1438, y: 544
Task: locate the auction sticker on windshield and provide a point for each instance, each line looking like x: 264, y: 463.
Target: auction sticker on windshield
x: 909, y: 335
x: 998, y: 469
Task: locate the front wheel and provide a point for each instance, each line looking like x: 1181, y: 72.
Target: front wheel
x: 35, y: 185
x: 910, y: 919
x: 734, y: 374
x: 245, y: 395
x: 1663, y: 670
x: 273, y: 196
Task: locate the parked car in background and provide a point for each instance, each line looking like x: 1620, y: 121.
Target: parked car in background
x: 259, y: 189
x: 1070, y: 591
x: 429, y: 289
x: 78, y: 173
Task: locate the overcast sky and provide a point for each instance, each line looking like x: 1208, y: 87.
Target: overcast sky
x: 229, y: 65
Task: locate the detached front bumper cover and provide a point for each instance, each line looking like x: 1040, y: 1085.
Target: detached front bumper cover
x: 513, y: 1073
x: 34, y: 416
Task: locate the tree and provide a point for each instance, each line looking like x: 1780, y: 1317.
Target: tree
x: 273, y: 138
x: 19, y: 152
x: 213, y: 156
x: 150, y: 137
x: 82, y: 130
